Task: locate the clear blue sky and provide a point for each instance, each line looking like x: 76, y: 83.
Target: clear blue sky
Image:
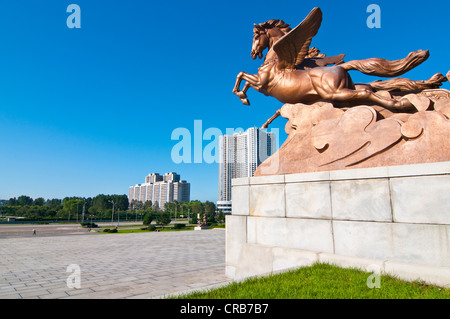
x: 91, y: 110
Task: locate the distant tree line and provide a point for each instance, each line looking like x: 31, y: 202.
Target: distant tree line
x: 100, y: 208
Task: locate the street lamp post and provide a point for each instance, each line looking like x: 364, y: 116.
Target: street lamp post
x: 112, y: 213
x: 82, y: 212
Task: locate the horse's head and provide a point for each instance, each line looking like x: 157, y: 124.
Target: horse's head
x: 266, y: 34
x: 260, y: 42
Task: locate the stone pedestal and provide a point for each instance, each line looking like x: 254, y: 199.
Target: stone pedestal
x: 201, y: 227
x: 397, y: 218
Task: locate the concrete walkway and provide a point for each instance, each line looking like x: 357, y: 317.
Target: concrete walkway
x: 141, y: 265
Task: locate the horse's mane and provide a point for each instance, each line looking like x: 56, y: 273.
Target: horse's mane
x: 274, y: 23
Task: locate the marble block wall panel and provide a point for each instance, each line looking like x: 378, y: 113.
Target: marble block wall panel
x: 267, y: 200
x: 305, y: 234
x: 366, y: 200
x: 235, y: 238
x: 424, y: 199
x: 420, y: 244
x: 241, y: 200
x: 385, y: 215
x: 308, y: 200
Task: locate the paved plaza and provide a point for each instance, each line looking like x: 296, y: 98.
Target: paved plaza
x: 140, y: 265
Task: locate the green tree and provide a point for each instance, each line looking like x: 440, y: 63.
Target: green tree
x: 136, y: 205
x: 24, y: 200
x: 88, y: 202
x: 39, y: 201
x: 220, y: 217
x: 62, y: 214
x: 210, y: 211
x: 148, y: 205
x: 163, y: 219
x: 210, y: 208
x: 120, y: 201
x: 100, y: 203
x: 149, y: 217
x: 12, y: 202
x: 196, y: 207
x: 72, y: 206
x: 53, y: 203
x: 167, y: 207
x: 35, y: 212
x: 51, y: 213
x: 194, y: 219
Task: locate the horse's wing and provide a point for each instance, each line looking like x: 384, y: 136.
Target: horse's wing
x: 293, y: 47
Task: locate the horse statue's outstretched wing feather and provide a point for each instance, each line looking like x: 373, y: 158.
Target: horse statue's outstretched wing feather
x: 293, y: 47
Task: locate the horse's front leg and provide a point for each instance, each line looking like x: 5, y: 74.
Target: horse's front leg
x: 243, y: 94
x: 252, y: 81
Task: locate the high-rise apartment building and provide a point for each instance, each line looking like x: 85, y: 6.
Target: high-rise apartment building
x: 161, y: 189
x: 240, y: 154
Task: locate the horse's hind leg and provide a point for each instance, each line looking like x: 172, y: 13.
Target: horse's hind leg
x: 334, y: 86
x: 366, y: 96
x: 269, y: 121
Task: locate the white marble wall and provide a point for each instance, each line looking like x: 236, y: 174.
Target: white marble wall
x: 397, y: 214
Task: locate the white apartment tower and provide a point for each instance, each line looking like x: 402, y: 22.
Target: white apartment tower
x: 240, y: 154
x: 161, y: 189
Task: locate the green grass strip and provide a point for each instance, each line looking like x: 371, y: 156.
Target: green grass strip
x: 322, y: 281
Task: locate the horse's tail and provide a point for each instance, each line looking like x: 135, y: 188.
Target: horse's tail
x: 387, y: 68
x: 401, y: 84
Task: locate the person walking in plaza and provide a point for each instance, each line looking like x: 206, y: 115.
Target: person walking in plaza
x: 34, y: 232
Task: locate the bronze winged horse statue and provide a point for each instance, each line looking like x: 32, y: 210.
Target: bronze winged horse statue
x: 293, y: 72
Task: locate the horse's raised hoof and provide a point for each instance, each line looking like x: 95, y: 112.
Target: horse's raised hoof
x: 245, y: 101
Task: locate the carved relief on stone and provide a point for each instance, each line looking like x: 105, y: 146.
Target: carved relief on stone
x: 322, y: 137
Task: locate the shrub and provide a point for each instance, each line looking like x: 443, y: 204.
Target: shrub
x: 88, y: 224
x: 107, y: 230
x: 193, y: 220
x: 149, y: 228
x: 148, y: 218
x: 179, y: 226
x: 163, y: 219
